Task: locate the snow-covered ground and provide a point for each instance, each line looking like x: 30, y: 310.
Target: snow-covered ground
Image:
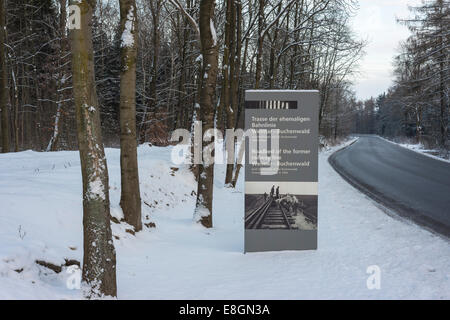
x: 41, y: 219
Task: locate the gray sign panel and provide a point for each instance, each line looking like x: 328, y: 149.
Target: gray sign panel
x: 281, y: 203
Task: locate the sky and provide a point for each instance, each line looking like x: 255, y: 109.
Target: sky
x: 375, y: 21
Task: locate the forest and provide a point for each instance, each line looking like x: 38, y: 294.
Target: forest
x: 260, y: 44
x: 86, y: 74
x: 416, y: 106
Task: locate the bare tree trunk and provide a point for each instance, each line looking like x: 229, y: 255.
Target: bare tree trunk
x: 203, y: 208
x: 234, y: 85
x: 231, y: 68
x: 170, y: 119
x: 155, y: 7
x: 99, y: 257
x: 16, y: 110
x: 443, y: 107
x: 181, y: 109
x: 236, y: 175
x: 53, y: 143
x: 259, y: 50
x: 225, y: 92
x: 294, y: 55
x: 4, y: 81
x: 273, y: 65
x: 243, y: 69
x: 130, y: 200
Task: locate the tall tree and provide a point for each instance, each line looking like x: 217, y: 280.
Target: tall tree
x: 62, y: 76
x: 235, y: 53
x: 130, y: 198
x: 99, y: 257
x: 260, y: 37
x: 209, y: 49
x: 4, y: 81
x: 227, y: 76
x: 225, y: 90
x: 421, y: 91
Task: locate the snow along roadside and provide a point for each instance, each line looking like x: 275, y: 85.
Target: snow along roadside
x: 354, y: 234
x: 417, y: 148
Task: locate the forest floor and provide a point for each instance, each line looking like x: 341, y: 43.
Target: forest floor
x: 41, y: 219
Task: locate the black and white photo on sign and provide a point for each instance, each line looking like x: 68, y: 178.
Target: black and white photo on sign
x: 281, y: 205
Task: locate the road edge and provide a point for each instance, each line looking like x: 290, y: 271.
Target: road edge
x: 389, y: 206
x: 416, y: 151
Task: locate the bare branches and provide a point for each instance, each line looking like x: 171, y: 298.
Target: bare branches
x: 277, y: 18
x: 191, y: 20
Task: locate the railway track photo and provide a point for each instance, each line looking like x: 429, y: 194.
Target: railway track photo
x: 273, y: 210
x: 270, y: 215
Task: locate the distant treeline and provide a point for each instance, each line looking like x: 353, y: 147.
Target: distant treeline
x: 417, y: 105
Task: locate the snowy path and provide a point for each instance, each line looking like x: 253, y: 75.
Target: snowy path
x: 180, y: 260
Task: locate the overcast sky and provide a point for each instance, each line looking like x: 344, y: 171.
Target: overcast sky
x: 375, y: 21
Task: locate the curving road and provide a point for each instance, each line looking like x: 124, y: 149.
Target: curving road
x: 411, y: 184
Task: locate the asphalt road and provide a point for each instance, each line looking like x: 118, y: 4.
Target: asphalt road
x: 409, y: 183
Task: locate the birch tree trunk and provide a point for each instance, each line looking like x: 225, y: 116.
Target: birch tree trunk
x: 99, y: 257
x: 53, y: 143
x: 203, y: 208
x: 130, y: 200
x: 15, y: 100
x: 259, y: 49
x: 4, y: 82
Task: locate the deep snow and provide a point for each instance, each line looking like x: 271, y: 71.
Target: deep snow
x: 41, y: 219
